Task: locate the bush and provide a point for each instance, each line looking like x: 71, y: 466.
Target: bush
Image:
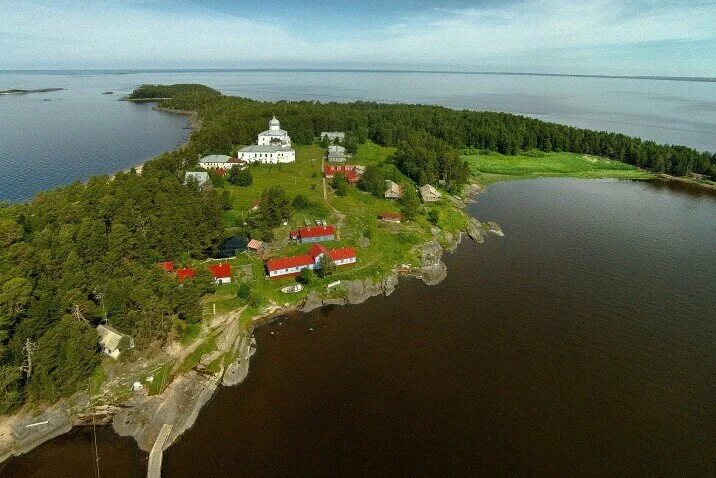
x: 305, y: 276
x: 300, y: 202
x: 240, y: 177
x: 434, y: 216
x: 244, y: 292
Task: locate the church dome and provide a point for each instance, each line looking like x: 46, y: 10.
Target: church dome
x: 274, y: 123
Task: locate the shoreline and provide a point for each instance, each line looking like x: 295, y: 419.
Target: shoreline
x: 179, y: 404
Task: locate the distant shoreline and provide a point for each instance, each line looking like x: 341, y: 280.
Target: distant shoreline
x: 703, y: 79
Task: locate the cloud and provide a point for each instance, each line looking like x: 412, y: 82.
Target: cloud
x: 554, y: 35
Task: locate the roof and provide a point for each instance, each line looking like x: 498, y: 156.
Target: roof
x: 317, y: 231
x: 390, y: 215
x: 274, y: 132
x: 334, y: 148
x: 254, y: 204
x: 185, y: 273
x: 316, y: 250
x: 236, y: 161
x: 109, y: 337
x: 429, y: 190
x: 288, y: 262
x: 215, y: 158
x: 342, y: 253
x: 332, y: 133
x: 220, y: 271
x: 167, y: 266
x: 201, y: 177
x: 255, y: 244
x: 264, y: 148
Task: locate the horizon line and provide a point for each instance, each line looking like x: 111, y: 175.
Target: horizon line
x: 707, y: 79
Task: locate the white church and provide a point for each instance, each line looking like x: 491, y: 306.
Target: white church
x: 273, y: 146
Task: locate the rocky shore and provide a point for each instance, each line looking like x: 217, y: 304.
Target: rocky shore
x: 143, y: 416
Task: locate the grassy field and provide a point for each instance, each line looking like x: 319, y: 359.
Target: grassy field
x: 381, y: 246
x: 492, y: 167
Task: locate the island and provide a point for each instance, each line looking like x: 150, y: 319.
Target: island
x: 128, y: 299
x: 24, y: 92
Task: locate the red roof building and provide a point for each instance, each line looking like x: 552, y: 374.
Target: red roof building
x: 221, y: 272
x: 352, y: 172
x: 293, y: 265
x: 167, y: 266
x: 314, y: 234
x: 185, y: 273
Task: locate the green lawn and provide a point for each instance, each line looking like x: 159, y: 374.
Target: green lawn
x: 492, y: 167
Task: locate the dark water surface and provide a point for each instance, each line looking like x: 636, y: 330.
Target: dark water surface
x: 49, y: 139
x: 583, y: 343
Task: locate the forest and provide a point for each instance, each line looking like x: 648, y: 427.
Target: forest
x: 86, y: 254
x: 428, y: 137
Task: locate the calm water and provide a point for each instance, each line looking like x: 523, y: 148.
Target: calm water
x: 583, y: 343
x: 81, y: 132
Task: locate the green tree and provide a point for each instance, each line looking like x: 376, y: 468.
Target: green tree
x: 65, y: 357
x: 340, y: 184
x: 327, y: 267
x: 410, y: 203
x: 373, y: 181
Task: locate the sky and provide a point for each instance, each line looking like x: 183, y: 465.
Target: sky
x: 612, y: 37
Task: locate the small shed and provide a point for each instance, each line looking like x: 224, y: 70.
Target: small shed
x: 389, y: 216
x: 393, y: 190
x: 256, y: 246
x: 111, y: 340
x: 429, y: 193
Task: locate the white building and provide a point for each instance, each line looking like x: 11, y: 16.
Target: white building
x: 273, y: 146
x: 336, y: 153
x: 214, y: 161
x: 333, y: 136
x: 110, y: 340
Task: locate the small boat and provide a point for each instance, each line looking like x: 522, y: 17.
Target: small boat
x: 292, y: 289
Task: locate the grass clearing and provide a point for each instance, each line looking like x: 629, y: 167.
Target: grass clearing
x: 492, y: 167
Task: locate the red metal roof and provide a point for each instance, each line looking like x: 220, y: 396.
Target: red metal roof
x: 167, y: 266
x: 288, y: 262
x: 317, y: 231
x: 342, y: 253
x: 390, y: 215
x: 316, y: 250
x: 185, y: 273
x: 220, y: 271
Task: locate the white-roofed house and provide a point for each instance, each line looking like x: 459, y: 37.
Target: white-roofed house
x: 112, y: 341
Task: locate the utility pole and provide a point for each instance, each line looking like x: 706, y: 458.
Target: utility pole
x: 28, y: 350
